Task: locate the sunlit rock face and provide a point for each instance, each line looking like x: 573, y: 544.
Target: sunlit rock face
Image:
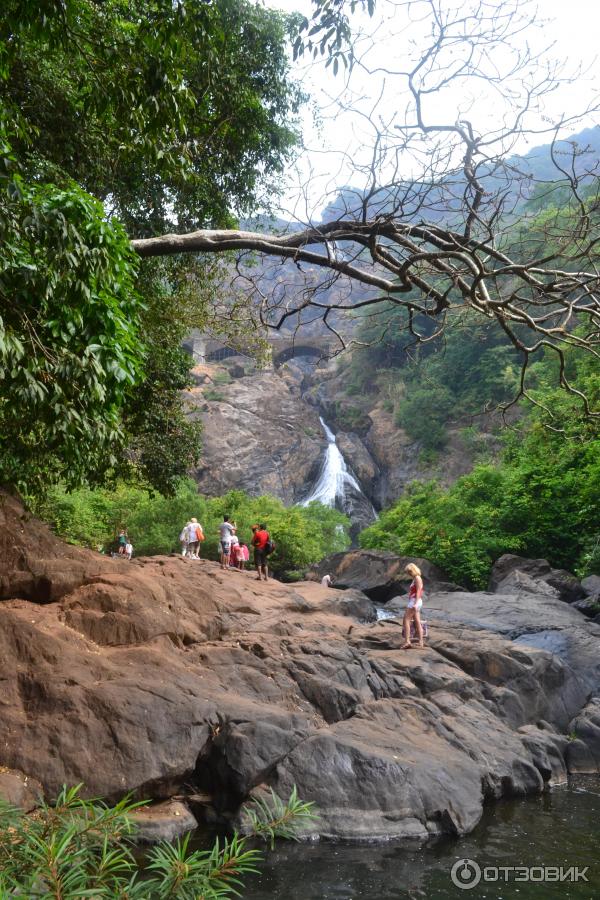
x: 166, y: 676
x: 259, y: 436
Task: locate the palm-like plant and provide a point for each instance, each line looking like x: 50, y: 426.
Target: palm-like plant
x: 82, y: 848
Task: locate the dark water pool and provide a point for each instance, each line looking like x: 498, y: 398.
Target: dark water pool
x: 560, y: 828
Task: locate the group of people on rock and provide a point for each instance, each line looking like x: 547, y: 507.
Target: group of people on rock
x: 234, y: 554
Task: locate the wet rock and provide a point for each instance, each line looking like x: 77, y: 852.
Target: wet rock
x: 358, y: 457
x: 583, y: 755
x: 547, y: 750
x: 162, y: 822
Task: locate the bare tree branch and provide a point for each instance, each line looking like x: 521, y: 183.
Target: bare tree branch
x: 457, y: 230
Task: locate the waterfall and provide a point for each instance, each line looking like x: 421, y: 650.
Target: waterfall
x: 335, y: 476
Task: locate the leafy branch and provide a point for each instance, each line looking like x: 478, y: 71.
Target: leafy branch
x: 81, y: 848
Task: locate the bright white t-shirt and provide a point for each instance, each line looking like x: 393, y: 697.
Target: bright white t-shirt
x: 226, y: 530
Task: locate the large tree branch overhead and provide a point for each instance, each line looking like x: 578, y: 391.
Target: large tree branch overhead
x: 475, y: 226
x: 439, y: 268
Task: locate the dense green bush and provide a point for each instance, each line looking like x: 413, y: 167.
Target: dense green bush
x: 542, y: 500
x: 93, y: 518
x: 423, y: 414
x: 83, y: 848
x: 458, y: 375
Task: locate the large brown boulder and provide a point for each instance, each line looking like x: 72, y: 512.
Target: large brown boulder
x: 379, y: 574
x: 170, y: 677
x: 34, y: 564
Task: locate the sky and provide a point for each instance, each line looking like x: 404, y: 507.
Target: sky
x: 340, y: 123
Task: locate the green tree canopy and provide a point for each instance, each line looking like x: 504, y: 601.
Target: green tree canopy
x: 143, y: 113
x: 542, y: 500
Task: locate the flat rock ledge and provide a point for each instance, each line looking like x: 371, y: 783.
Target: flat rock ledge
x: 168, y: 677
x: 164, y: 821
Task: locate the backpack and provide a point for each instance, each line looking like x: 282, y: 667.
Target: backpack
x: 269, y: 547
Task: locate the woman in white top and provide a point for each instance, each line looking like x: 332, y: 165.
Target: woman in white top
x: 413, y: 610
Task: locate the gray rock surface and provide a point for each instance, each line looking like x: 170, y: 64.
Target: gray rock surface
x: 513, y: 571
x: 589, y: 606
x: 591, y: 585
x: 584, y: 751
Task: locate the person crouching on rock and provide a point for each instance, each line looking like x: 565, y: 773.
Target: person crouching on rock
x: 413, y: 610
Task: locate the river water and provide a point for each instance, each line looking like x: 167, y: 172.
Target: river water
x: 559, y: 828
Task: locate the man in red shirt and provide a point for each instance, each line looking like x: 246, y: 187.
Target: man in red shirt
x: 260, y: 540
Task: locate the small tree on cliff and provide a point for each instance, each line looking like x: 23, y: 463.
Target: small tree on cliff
x: 175, y: 115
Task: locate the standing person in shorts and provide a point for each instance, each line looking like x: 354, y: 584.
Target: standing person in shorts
x: 260, y: 540
x: 226, y: 530
x: 194, y: 532
x: 413, y: 610
x: 233, y: 551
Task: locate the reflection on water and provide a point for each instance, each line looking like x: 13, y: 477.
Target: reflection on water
x: 560, y: 828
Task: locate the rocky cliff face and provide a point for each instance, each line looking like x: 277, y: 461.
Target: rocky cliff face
x: 259, y: 435
x: 168, y: 676
x: 384, y: 456
x: 262, y: 434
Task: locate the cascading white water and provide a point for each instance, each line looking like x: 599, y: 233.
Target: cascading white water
x: 334, y: 477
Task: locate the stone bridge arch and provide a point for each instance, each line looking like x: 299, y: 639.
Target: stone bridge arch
x: 281, y: 356
x: 205, y: 349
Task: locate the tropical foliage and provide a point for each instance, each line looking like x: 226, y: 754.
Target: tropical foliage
x: 144, y: 113
x: 93, y: 518
x: 83, y: 848
x: 541, y: 500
